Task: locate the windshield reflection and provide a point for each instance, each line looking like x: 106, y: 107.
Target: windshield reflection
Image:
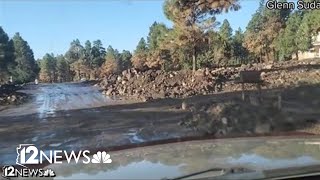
x: 188, y: 157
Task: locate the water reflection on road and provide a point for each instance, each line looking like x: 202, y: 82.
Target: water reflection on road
x: 172, y: 160
x: 67, y: 97
x: 49, y: 98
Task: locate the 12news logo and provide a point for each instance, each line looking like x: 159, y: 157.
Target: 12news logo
x: 11, y: 171
x: 26, y: 151
x: 28, y: 154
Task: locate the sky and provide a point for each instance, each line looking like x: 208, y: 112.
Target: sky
x: 50, y: 25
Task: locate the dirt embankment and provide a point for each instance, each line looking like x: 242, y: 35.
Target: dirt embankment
x: 289, y: 100
x: 155, y: 84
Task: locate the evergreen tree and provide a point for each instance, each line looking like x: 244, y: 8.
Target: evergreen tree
x: 111, y: 64
x: 48, y: 72
x: 88, y: 57
x: 139, y: 58
x: 6, y: 56
x: 63, y: 69
x: 226, y: 31
x: 76, y: 57
x: 98, y: 53
x: 308, y: 28
x: 288, y: 39
x: 225, y: 34
x: 192, y: 17
x: 26, y: 68
x: 75, y: 52
x: 157, y: 33
x: 125, y: 57
x: 263, y: 30
x: 239, y: 52
x: 142, y: 46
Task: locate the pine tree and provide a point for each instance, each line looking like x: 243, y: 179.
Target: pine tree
x: 142, y: 46
x: 140, y: 55
x: 157, y: 33
x: 63, y: 69
x: 6, y: 56
x: 192, y: 17
x: 75, y: 56
x: 125, y: 57
x: 98, y: 53
x: 308, y: 28
x: 226, y: 31
x: 88, y: 57
x: 261, y: 36
x: 48, y: 72
x: 111, y: 64
x: 288, y: 39
x: 75, y: 52
x: 26, y: 68
x: 239, y: 52
x: 225, y: 34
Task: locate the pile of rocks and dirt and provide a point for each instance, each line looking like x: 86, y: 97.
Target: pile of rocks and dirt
x: 294, y: 109
x: 155, y: 84
x: 231, y: 117
x: 9, y: 94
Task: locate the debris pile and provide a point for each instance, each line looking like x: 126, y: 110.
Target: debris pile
x: 155, y: 84
x: 9, y: 95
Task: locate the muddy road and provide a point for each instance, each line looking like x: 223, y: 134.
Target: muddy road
x: 75, y: 116
x: 50, y: 98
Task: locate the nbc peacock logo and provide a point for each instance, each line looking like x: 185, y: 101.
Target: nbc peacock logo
x: 101, y: 157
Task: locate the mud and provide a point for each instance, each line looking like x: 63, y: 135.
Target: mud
x: 77, y: 116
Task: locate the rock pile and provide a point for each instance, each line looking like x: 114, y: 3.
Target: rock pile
x: 8, y: 95
x: 232, y: 117
x: 154, y: 84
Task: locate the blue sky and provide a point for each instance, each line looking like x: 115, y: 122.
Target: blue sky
x: 49, y: 26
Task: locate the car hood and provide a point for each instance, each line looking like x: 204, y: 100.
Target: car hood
x: 178, y: 159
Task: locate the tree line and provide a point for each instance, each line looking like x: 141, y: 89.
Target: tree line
x: 196, y: 40
x: 16, y: 59
x: 90, y: 61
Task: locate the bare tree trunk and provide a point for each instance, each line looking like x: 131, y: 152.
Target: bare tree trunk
x: 268, y: 58
x: 297, y: 55
x: 275, y: 55
x: 260, y: 59
x: 194, y: 63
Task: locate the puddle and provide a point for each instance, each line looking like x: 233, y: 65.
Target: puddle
x: 134, y: 137
x: 34, y: 139
x: 55, y: 144
x: 50, y: 98
x: 46, y: 108
x: 267, y: 163
x: 91, y: 110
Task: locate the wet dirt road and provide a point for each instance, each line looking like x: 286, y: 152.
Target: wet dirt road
x: 77, y: 116
x: 50, y: 98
